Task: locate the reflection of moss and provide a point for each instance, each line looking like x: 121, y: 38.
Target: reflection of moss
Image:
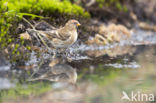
x: 25, y: 90
x: 107, y: 77
x: 112, y: 82
x: 102, y: 75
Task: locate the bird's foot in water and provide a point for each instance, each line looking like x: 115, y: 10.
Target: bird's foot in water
x: 69, y: 59
x: 54, y: 53
x: 54, y: 56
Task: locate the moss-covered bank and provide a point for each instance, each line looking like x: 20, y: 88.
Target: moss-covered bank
x: 11, y: 12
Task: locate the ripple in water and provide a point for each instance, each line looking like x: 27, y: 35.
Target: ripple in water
x: 6, y: 84
x: 132, y: 65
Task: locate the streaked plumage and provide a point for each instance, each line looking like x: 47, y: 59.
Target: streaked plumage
x: 62, y: 37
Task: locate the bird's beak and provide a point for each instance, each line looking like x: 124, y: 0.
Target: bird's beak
x: 78, y: 24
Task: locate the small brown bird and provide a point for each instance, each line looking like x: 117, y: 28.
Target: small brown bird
x: 62, y: 37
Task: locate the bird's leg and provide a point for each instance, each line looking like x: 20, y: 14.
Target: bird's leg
x: 63, y: 51
x: 54, y: 53
x: 69, y: 59
x: 66, y: 52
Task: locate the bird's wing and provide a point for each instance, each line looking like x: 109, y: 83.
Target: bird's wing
x: 55, y: 34
x: 63, y: 33
x: 49, y: 34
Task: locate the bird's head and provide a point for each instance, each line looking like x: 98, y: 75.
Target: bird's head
x: 72, y: 24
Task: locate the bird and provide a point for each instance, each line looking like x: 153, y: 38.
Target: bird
x: 59, y: 73
x: 62, y: 37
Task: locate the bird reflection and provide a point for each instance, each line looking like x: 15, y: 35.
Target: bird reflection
x: 59, y: 73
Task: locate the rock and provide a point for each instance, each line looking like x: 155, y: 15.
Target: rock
x: 114, y: 32
x: 25, y: 36
x: 146, y: 26
x: 98, y: 39
x: 109, y: 34
x: 20, y: 29
x: 44, y: 26
x: 112, y: 52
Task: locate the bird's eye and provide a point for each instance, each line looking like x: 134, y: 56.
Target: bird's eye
x: 75, y: 23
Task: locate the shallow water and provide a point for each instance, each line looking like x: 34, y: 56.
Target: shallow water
x: 104, y: 72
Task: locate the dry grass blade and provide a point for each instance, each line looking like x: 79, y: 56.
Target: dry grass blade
x: 37, y: 32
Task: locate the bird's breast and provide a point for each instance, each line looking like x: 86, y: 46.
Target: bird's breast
x: 68, y: 42
x: 73, y: 37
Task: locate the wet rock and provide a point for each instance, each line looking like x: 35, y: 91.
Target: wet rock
x: 112, y: 52
x: 98, y: 39
x: 44, y: 26
x: 147, y: 26
x: 132, y: 65
x: 119, y: 29
x: 111, y: 33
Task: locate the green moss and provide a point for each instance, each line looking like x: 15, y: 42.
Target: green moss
x: 41, y: 7
x: 112, y: 3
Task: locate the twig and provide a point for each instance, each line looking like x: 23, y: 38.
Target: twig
x: 29, y: 23
x: 38, y: 33
x: 90, y: 3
